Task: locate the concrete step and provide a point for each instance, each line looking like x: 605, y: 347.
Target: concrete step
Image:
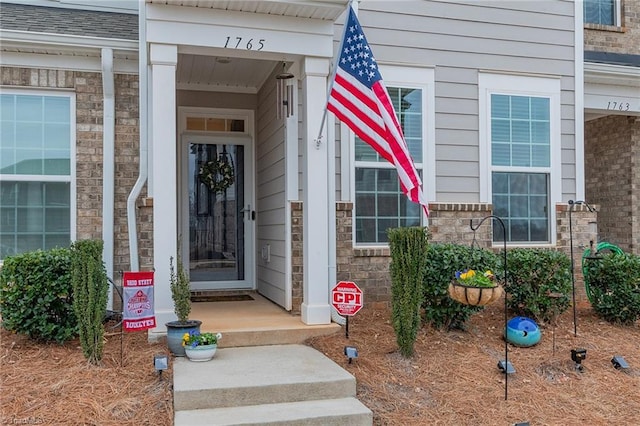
x: 281, y: 334
x: 258, y: 375
x: 326, y: 412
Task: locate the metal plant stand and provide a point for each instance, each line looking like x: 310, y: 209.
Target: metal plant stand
x: 506, y: 347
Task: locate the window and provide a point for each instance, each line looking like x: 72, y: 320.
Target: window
x: 522, y: 144
x: 36, y: 135
x: 379, y: 202
x: 602, y: 12
x: 520, y: 137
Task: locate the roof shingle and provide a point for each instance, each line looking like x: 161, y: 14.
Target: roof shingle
x: 77, y: 22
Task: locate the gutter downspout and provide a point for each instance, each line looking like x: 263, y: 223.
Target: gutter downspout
x: 108, y: 163
x: 143, y: 124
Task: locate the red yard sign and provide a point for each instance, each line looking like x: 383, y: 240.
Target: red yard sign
x: 137, y: 312
x: 346, y: 297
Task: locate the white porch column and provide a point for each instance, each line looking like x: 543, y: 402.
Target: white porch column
x: 163, y: 138
x: 315, y: 306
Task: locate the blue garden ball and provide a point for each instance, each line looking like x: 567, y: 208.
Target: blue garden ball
x: 522, y: 331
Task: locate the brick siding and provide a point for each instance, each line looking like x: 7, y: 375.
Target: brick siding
x: 449, y: 223
x: 612, y: 176
x: 87, y: 87
x: 622, y: 39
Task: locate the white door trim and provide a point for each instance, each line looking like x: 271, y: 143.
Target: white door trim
x: 246, y: 139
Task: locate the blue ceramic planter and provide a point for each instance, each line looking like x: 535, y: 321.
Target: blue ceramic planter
x: 522, y: 331
x: 175, y: 331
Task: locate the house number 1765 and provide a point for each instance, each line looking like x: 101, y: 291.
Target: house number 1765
x: 242, y: 43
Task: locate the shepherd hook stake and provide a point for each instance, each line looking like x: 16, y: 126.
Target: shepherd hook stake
x: 504, y: 238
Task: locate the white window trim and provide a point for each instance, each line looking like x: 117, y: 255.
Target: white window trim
x: 618, y: 18
x: 71, y: 178
x: 409, y: 76
x: 521, y: 85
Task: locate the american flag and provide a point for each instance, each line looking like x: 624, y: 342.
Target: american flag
x: 359, y: 98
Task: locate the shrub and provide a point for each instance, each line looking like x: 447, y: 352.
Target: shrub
x: 90, y: 290
x: 36, y: 295
x: 180, y: 290
x: 443, y: 260
x: 408, y: 253
x: 534, y: 274
x: 614, y: 282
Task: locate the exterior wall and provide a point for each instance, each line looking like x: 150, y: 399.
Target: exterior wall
x: 581, y: 233
x: 369, y: 267
x: 270, y: 195
x: 297, y: 261
x: 88, y: 89
x: 612, y: 143
x: 612, y: 157
x: 459, y: 39
x: 449, y: 223
x: 616, y: 39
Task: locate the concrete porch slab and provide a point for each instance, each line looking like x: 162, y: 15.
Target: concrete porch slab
x: 255, y: 322
x: 259, y: 375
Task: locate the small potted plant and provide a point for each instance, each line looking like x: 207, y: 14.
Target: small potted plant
x: 200, y: 346
x: 181, y: 295
x: 475, y: 288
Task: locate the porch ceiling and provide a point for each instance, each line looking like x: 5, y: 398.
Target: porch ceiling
x: 205, y: 71
x: 222, y: 74
x: 313, y: 9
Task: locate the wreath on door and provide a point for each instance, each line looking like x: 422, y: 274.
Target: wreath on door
x: 217, y: 174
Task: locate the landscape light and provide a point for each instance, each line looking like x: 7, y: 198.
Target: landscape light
x: 351, y: 352
x: 619, y: 363
x: 160, y: 363
x: 508, y: 369
x: 578, y: 355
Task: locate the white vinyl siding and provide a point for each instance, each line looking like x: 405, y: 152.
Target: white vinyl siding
x: 522, y: 154
x: 37, y: 207
x: 459, y: 40
x: 271, y: 221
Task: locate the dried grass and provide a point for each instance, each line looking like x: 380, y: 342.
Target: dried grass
x: 53, y: 384
x: 453, y: 378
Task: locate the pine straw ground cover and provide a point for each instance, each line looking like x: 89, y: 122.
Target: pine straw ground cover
x: 453, y: 377
x: 51, y: 384
x: 451, y: 380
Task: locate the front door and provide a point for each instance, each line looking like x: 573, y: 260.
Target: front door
x: 218, y: 213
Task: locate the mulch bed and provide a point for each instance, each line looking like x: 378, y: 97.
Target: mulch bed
x: 452, y: 379
x: 51, y: 384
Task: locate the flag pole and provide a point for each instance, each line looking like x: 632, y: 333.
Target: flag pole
x: 333, y: 77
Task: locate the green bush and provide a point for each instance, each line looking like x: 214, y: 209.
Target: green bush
x: 36, y: 295
x: 90, y: 292
x: 408, y: 253
x: 534, y: 274
x: 443, y: 260
x: 614, y: 282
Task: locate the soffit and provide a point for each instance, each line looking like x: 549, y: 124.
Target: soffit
x: 327, y: 10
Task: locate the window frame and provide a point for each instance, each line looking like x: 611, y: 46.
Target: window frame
x: 529, y: 86
x: 617, y: 16
x: 71, y: 177
x: 410, y: 77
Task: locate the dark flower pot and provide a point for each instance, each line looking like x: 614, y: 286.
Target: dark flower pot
x: 175, y: 331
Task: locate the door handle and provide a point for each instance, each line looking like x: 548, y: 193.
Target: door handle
x: 252, y: 213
